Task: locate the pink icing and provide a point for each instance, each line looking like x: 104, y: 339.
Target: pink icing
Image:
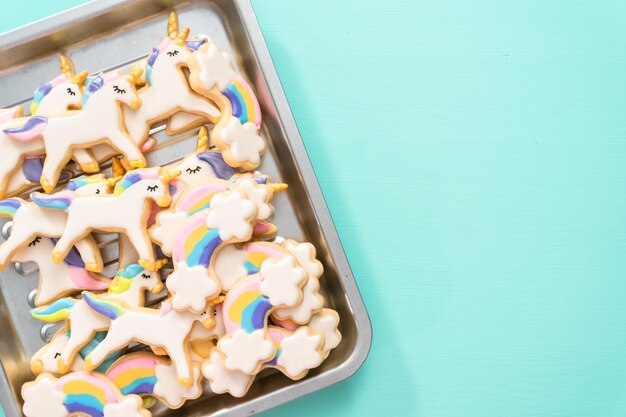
x: 201, y: 192
x: 149, y: 144
x: 110, y: 395
x: 7, y: 115
x: 253, y: 284
x: 277, y: 335
x: 166, y: 307
x: 261, y: 227
x: 271, y: 250
x: 85, y: 281
x: 134, y: 363
x: 29, y: 134
x: 286, y: 324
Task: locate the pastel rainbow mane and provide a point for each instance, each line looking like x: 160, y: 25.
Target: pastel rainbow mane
x: 124, y: 278
x: 217, y: 163
x: 246, y: 307
x: 134, y: 375
x: 77, y: 183
x: 132, y: 178
x: 243, y: 101
x: 43, y: 91
x: 196, y: 243
x: 192, y: 45
x: 99, y: 81
x: 9, y: 207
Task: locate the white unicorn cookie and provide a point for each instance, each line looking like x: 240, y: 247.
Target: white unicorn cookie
x: 125, y: 211
x: 99, y: 121
x: 31, y: 221
x: 127, y: 288
x: 165, y: 328
x: 145, y: 374
x: 236, y: 134
x: 80, y: 393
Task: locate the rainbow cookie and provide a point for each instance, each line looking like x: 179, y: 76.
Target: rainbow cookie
x: 145, y: 374
x: 127, y: 288
x: 236, y: 134
x: 80, y: 393
x: 125, y: 211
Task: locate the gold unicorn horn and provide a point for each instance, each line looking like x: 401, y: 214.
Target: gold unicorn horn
x: 278, y: 186
x: 160, y: 263
x: 172, y: 25
x: 67, y: 66
x: 170, y: 175
x: 216, y: 301
x: 182, y: 37
x: 117, y: 168
x: 134, y: 75
x: 80, y: 78
x: 203, y: 140
x: 111, y: 182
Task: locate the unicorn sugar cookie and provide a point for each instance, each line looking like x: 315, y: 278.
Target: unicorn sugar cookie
x: 125, y: 211
x: 100, y: 120
x: 145, y: 374
x: 53, y: 98
x: 80, y: 393
x: 127, y: 288
x: 165, y: 328
x: 31, y: 220
x: 298, y: 350
x: 236, y: 134
x: 248, y: 304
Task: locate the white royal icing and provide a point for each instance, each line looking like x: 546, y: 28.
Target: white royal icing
x: 312, y: 301
x: 43, y: 400
x: 214, y: 68
x: 282, y: 280
x: 128, y: 407
x: 191, y: 287
x: 223, y: 380
x: 299, y: 353
x: 231, y: 212
x: 305, y: 253
x: 257, y: 193
x: 229, y: 265
x: 167, y: 227
x: 244, y: 351
x: 244, y: 140
x: 326, y: 324
x: 170, y: 390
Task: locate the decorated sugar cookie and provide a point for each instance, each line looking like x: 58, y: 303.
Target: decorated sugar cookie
x: 228, y: 220
x: 236, y: 134
x: 125, y: 211
x: 127, y: 288
x: 46, y: 358
x: 297, y: 351
x: 80, y: 393
x: 10, y: 114
x: 31, y: 221
x: 100, y: 120
x: 232, y: 263
x: 167, y: 91
x: 247, y: 306
x: 53, y: 98
x: 145, y: 374
x: 165, y: 328
x: 58, y: 280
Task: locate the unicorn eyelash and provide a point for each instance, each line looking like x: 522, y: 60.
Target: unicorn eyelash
x: 152, y: 187
x: 194, y: 170
x: 35, y: 241
x: 56, y: 355
x: 97, y: 191
x: 70, y: 91
x: 173, y: 53
x: 145, y: 276
x: 118, y: 90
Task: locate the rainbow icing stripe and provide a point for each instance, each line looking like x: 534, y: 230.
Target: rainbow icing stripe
x: 134, y: 375
x: 243, y: 101
x: 109, y: 309
x: 276, y: 336
x: 246, y: 307
x: 9, y: 207
x: 44, y: 90
x: 86, y: 394
x: 200, y: 197
x: 133, y: 178
x: 196, y: 243
x: 257, y: 252
x: 59, y: 201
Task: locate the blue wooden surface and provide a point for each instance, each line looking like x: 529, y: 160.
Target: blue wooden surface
x: 472, y: 154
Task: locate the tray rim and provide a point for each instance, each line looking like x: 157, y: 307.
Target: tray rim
x: 355, y: 360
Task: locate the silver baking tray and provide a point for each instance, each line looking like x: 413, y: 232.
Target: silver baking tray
x: 107, y: 34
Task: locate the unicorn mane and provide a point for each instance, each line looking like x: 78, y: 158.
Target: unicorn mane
x: 43, y: 91
x: 217, y: 163
x: 166, y: 42
x: 131, y: 178
x: 57, y: 311
x: 77, y: 183
x: 124, y: 278
x: 97, y: 82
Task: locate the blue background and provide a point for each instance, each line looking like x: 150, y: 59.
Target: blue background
x: 473, y: 156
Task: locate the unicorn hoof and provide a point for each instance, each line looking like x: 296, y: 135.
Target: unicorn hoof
x: 149, y: 264
x: 36, y: 366
x: 90, y: 167
x: 63, y: 367
x: 185, y: 382
x: 93, y: 267
x: 137, y: 163
x: 57, y: 257
x: 89, y: 364
x: 47, y: 186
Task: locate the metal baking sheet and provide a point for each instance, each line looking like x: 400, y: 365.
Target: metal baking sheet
x: 107, y: 34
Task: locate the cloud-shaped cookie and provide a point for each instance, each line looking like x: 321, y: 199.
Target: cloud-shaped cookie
x: 245, y: 143
x: 223, y: 380
x: 299, y: 353
x: 246, y: 351
x: 282, y: 279
x: 231, y: 213
x: 214, y: 68
x: 191, y: 287
x: 43, y: 400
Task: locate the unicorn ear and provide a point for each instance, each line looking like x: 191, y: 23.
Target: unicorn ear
x: 172, y: 25
x: 169, y: 176
x: 203, y: 140
x: 80, y: 78
x: 134, y: 76
x: 67, y: 66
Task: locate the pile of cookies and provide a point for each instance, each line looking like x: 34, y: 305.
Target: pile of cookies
x: 233, y: 298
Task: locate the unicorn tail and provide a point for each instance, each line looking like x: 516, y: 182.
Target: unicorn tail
x: 9, y: 207
x: 58, y: 201
x: 29, y: 131
x: 57, y: 311
x: 106, y: 308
